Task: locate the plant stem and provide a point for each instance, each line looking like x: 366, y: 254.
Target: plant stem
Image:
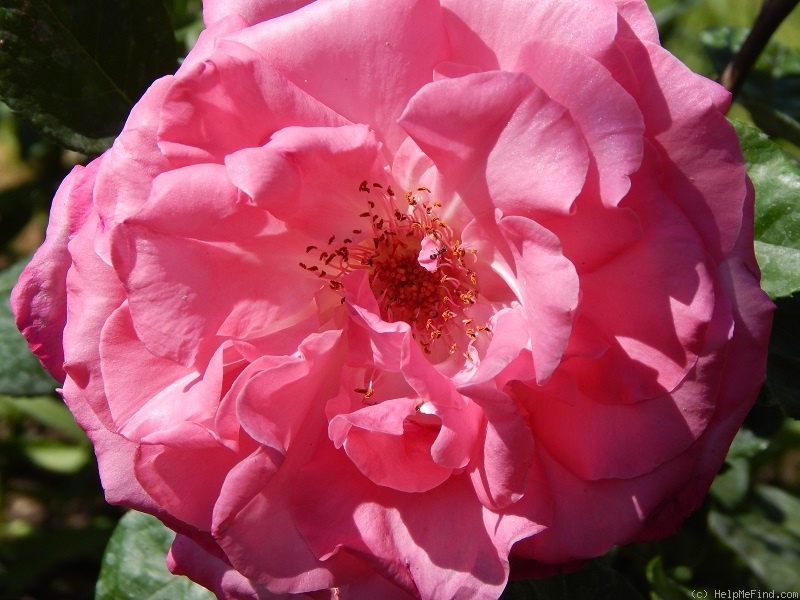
x: 772, y: 14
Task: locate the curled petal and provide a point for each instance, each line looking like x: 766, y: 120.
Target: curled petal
x: 37, y: 299
x: 502, y: 141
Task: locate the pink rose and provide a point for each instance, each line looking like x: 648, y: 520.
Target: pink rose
x: 401, y: 298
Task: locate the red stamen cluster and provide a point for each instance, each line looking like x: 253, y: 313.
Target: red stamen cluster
x: 429, y: 299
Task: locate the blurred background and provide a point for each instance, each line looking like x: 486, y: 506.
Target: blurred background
x: 55, y: 524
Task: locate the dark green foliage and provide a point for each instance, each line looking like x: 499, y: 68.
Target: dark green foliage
x: 783, y: 367
x: 595, y: 581
x: 74, y: 68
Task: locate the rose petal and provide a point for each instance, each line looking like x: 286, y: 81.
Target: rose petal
x: 38, y: 297
x: 686, y: 116
x: 388, y: 447
x: 612, y: 129
x: 254, y: 525
x: 501, y: 470
x: 206, y: 112
x: 187, y: 557
x: 501, y: 142
x: 545, y: 283
x: 393, y: 530
x: 658, y: 341
x: 309, y: 177
x: 278, y: 391
x: 363, y: 63
x: 478, y: 37
x: 185, y: 475
x: 251, y: 10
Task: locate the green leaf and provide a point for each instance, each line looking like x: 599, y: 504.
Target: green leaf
x: 134, y: 566
x: 776, y: 178
x: 595, y: 581
x: 782, y: 506
x: 666, y: 12
x: 747, y: 444
x: 56, y: 457
x: 731, y: 485
x: 20, y: 371
x: 74, y: 68
x: 663, y: 586
x: 187, y: 21
x: 771, y: 91
x: 48, y: 411
x: 779, y: 266
x: 765, y: 538
x: 783, y: 363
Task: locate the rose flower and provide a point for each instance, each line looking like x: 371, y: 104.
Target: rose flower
x: 403, y: 299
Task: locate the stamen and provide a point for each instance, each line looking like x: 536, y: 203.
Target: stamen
x: 426, y: 289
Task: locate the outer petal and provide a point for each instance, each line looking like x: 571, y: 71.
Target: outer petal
x: 123, y: 184
x: 393, y: 530
x: 639, y: 18
x: 745, y: 371
x: 38, y: 298
x: 650, y: 304
x: 703, y: 167
x: 208, y: 112
x: 93, y: 293
x: 363, y: 63
x: 588, y: 518
x: 255, y: 526
x: 597, y: 440
x: 172, y: 474
x: 253, y: 11
x: 478, y: 37
x: 123, y: 358
x: 188, y: 557
x: 170, y: 288
x: 612, y: 129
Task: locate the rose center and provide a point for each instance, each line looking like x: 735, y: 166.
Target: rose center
x: 418, y: 268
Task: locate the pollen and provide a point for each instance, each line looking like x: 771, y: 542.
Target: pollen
x: 419, y: 271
